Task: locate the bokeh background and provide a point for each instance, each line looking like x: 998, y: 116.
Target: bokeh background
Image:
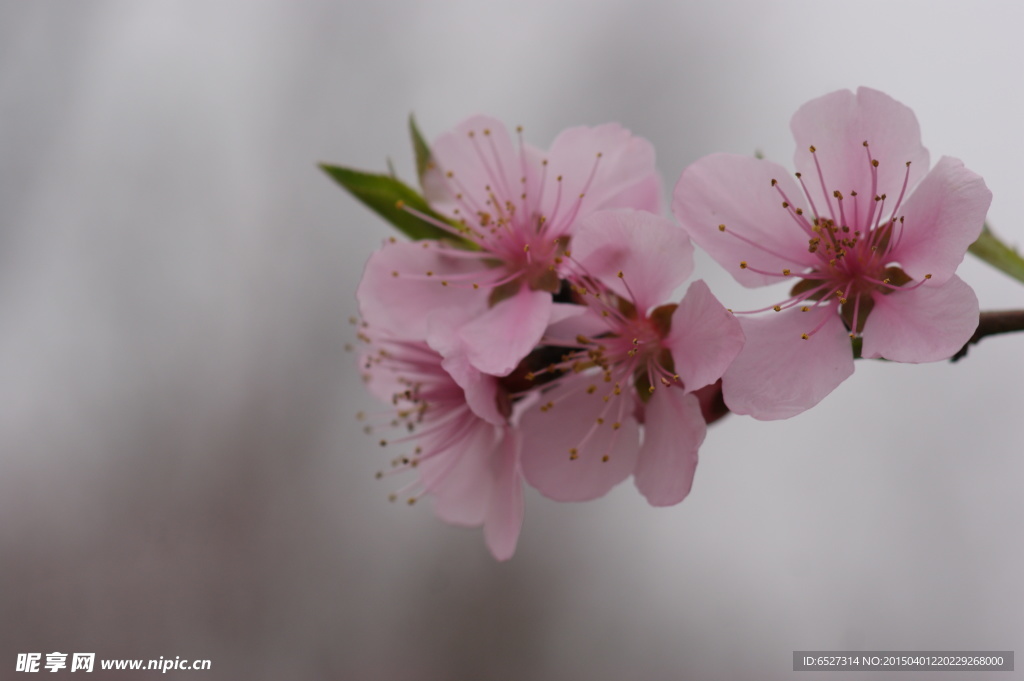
x: 181, y: 471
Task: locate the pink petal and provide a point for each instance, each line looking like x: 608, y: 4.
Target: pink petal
x: 461, y: 478
x: 401, y: 305
x: 737, y: 191
x: 644, y: 194
x: 673, y: 432
x: 778, y: 374
x: 837, y: 125
x: 924, y: 324
x: 942, y: 218
x: 482, y: 160
x: 621, y: 178
x: 481, y: 390
x: 654, y: 255
x: 499, y: 338
x: 705, y: 337
x: 587, y: 321
x: 548, y: 437
x: 505, y: 513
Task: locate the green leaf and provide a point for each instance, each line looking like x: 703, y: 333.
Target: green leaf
x: 384, y: 195
x: 989, y: 248
x: 421, y: 149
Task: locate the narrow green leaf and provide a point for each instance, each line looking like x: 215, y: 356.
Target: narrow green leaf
x: 420, y: 147
x: 989, y: 248
x: 384, y: 194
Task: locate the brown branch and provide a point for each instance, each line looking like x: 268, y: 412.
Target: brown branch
x: 992, y: 323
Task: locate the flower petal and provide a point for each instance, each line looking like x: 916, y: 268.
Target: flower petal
x: 778, y: 374
x: 673, y: 432
x: 737, y: 191
x: 653, y: 255
x: 622, y: 177
x: 704, y: 339
x: 942, y: 218
x: 498, y: 339
x: 925, y: 324
x: 394, y: 296
x: 460, y: 477
x: 482, y: 160
x: 504, y: 517
x: 550, y: 433
x: 837, y: 125
x: 481, y: 390
x: 564, y: 329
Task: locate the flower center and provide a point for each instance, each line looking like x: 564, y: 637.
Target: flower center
x: 625, y: 361
x: 852, y: 238
x: 504, y: 218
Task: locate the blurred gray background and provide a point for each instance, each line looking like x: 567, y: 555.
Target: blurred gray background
x: 182, y: 473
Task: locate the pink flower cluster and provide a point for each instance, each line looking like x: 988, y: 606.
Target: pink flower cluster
x: 543, y: 341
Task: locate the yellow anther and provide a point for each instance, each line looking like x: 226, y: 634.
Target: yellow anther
x: 777, y: 308
x: 721, y: 228
x: 804, y: 336
x: 743, y: 264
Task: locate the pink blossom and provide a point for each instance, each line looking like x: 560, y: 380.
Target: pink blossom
x: 628, y: 361
x: 456, y: 439
x: 868, y: 237
x: 519, y: 207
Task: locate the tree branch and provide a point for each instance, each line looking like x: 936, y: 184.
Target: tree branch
x: 992, y: 323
